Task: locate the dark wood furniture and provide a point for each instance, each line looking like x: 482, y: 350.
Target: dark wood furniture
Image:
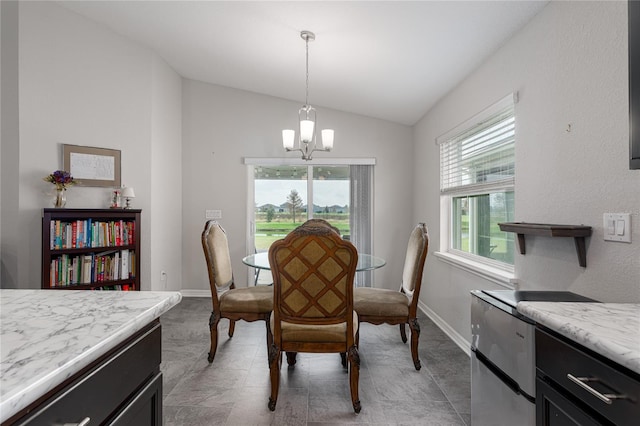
x: 578, y: 232
x: 384, y: 306
x: 575, y: 386
x: 85, y: 249
x: 124, y: 387
x: 313, y: 273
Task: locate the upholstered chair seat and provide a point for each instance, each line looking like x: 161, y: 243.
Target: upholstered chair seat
x: 257, y: 299
x: 383, y: 306
x: 381, y: 302
x: 331, y: 333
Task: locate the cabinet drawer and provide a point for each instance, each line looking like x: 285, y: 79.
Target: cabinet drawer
x: 557, y: 360
x: 106, y: 388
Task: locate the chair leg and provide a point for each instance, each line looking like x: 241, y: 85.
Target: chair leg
x: 275, y: 361
x: 232, y: 327
x: 415, y: 335
x: 354, y: 377
x: 291, y: 358
x: 269, y: 337
x: 403, y: 333
x: 343, y: 356
x: 213, y: 329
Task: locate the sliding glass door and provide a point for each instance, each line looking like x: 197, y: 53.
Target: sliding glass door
x: 286, y: 195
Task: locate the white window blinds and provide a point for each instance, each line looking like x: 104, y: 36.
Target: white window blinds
x: 481, y: 155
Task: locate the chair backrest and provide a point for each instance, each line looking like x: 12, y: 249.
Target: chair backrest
x: 216, y: 253
x: 414, y: 261
x: 313, y: 271
x: 321, y: 222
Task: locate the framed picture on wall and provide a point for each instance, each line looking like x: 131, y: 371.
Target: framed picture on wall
x: 92, y: 166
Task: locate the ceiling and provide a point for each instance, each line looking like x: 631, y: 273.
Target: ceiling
x: 391, y: 60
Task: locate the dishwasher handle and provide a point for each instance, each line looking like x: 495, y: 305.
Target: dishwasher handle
x: 508, y: 381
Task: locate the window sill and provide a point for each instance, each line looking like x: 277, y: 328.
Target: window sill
x: 490, y: 273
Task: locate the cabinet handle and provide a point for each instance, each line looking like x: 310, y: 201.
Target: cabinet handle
x: 83, y: 422
x: 607, y: 398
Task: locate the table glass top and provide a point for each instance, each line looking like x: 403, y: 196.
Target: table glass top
x: 366, y: 262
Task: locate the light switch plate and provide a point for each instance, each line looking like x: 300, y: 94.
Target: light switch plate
x: 213, y: 214
x: 617, y: 227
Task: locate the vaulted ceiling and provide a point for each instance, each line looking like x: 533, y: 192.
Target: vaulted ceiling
x: 391, y: 60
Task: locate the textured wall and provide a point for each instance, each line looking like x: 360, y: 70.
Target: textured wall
x: 221, y: 126
x: 569, y: 65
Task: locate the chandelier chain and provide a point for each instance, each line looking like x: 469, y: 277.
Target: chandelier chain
x: 306, y: 99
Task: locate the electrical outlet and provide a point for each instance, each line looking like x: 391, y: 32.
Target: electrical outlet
x: 213, y: 214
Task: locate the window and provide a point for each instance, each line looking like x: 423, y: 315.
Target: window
x: 477, y: 177
x: 284, y: 194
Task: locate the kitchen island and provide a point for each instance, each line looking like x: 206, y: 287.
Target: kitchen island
x: 587, y: 362
x: 88, y: 345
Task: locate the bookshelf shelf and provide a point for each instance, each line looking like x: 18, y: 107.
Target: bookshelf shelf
x: 91, y: 249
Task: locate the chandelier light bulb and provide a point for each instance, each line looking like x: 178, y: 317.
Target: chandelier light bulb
x: 327, y: 139
x: 288, y: 137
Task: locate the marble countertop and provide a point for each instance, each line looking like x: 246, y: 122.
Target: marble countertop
x: 47, y: 336
x: 609, y: 329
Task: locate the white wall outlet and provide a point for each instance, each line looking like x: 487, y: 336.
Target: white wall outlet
x: 617, y: 227
x: 213, y: 214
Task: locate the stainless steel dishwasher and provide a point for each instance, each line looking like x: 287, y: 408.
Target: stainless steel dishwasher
x: 503, y: 356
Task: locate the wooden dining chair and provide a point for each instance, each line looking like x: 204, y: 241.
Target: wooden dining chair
x: 313, y: 270
x: 248, y: 304
x: 383, y: 306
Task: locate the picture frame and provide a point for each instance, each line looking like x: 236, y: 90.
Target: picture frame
x: 91, y: 166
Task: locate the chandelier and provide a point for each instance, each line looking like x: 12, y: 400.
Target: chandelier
x: 307, y: 143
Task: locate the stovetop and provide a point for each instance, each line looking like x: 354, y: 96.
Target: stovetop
x: 512, y: 297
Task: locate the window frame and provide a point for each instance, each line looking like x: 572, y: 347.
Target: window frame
x: 499, y: 272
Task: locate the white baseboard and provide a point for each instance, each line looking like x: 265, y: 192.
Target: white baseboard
x: 195, y: 293
x: 447, y: 329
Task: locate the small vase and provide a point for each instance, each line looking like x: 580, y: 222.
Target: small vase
x: 60, y: 200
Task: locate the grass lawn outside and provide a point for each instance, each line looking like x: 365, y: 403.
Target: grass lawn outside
x: 268, y: 232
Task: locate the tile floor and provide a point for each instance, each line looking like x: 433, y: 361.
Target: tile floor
x: 235, y: 388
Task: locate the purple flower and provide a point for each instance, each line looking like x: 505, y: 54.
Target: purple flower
x: 61, y: 179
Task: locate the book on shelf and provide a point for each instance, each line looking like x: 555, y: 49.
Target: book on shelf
x: 124, y: 270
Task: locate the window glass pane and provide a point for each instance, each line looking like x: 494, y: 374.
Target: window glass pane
x: 331, y: 196
x: 475, y: 227
x: 281, y: 202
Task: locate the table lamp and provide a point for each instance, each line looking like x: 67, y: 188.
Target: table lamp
x: 128, y: 194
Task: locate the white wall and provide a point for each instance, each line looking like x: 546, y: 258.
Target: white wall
x: 165, y: 210
x: 82, y: 84
x: 9, y: 148
x: 221, y: 126
x: 569, y: 65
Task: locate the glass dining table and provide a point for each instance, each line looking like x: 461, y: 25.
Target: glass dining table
x: 366, y: 262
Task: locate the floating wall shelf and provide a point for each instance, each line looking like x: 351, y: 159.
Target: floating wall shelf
x: 578, y: 232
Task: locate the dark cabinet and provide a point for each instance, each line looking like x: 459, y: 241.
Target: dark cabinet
x: 575, y: 386
x: 123, y: 388
x: 553, y: 409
